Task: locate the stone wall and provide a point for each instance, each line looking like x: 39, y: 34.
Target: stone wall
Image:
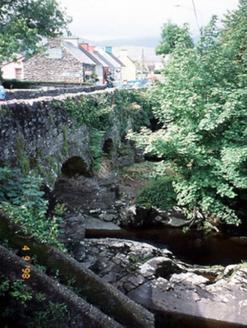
x: 48, y: 91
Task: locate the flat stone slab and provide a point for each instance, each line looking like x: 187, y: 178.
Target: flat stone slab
x: 96, y: 224
x: 194, y: 295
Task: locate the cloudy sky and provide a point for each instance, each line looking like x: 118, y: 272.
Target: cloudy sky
x: 114, y: 19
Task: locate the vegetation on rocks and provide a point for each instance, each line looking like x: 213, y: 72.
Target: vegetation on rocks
x: 157, y: 193
x: 22, y: 200
x: 102, y: 110
x: 26, y: 219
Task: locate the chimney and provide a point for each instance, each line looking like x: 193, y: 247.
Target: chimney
x: 72, y: 40
x: 84, y: 46
x: 91, y: 48
x: 108, y: 49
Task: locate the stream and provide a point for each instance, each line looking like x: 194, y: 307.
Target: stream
x: 193, y: 247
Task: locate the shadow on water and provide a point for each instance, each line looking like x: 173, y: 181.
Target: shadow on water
x: 193, y: 247
x: 171, y: 320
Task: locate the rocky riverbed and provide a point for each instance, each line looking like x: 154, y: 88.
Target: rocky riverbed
x: 180, y: 294
x: 157, y: 280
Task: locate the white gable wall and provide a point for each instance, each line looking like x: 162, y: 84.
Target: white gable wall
x: 13, y: 70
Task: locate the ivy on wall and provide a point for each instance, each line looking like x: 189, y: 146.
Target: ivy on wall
x: 102, y: 110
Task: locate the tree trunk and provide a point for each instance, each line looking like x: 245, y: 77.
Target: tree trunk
x: 84, y: 313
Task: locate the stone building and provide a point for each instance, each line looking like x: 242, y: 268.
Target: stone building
x: 62, y: 61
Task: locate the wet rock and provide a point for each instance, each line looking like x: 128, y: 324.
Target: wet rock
x: 97, y: 224
x: 241, y: 240
x: 136, y: 216
x: 72, y: 228
x: 126, y: 264
x: 109, y: 216
x: 154, y: 278
x: 193, y: 295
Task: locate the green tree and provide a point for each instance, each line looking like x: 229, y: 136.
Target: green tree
x: 203, y: 138
x: 23, y: 23
x: 171, y: 35
x: 234, y: 32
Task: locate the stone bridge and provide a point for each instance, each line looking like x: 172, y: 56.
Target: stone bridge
x: 39, y: 134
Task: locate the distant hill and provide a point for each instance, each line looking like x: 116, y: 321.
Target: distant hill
x: 150, y: 42
x: 136, y: 53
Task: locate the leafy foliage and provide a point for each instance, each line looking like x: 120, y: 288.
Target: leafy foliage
x: 139, y: 105
x: 17, y: 84
x: 234, y: 33
x: 93, y: 110
x: 101, y: 111
x: 171, y: 36
x: 204, y: 127
x: 22, y: 200
x: 23, y: 23
x: 95, y: 148
x: 27, y: 307
x: 54, y: 316
x: 157, y: 193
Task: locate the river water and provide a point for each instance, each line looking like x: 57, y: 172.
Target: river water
x: 193, y: 247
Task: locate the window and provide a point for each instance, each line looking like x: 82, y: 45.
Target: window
x: 55, y: 53
x: 18, y: 73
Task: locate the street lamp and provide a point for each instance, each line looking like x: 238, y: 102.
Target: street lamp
x: 194, y: 8
x: 195, y: 13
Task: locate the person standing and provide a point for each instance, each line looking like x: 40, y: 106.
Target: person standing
x: 2, y: 92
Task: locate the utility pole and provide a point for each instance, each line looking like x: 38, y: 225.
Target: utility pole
x: 142, y: 62
x: 195, y: 12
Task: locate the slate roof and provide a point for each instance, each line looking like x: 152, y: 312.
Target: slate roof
x: 112, y: 60
x: 80, y: 55
x: 90, y: 55
x: 102, y: 62
x: 116, y: 59
x: 102, y: 57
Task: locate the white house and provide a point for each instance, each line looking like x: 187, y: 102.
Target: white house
x: 130, y: 67
x: 13, y: 69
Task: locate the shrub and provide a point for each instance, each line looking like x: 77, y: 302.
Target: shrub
x: 157, y: 193
x: 22, y: 200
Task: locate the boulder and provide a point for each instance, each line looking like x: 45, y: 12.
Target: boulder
x: 190, y: 294
x: 137, y: 216
x: 72, y: 228
x: 97, y: 224
x: 154, y: 278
